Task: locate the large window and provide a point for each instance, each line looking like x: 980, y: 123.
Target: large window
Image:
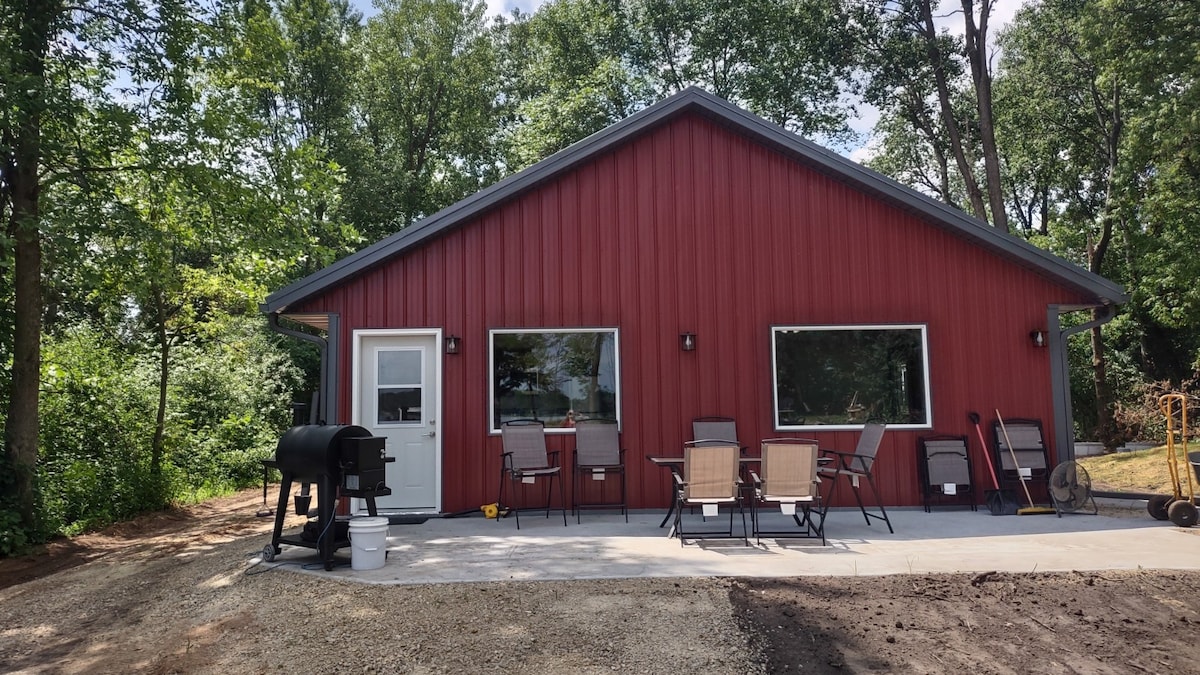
x: 557, y: 376
x: 842, y: 376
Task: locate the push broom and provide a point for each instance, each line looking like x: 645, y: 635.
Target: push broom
x: 1032, y: 509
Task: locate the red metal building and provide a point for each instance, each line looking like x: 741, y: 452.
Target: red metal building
x: 815, y: 292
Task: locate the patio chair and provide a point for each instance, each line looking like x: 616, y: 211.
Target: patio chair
x: 598, y: 454
x: 855, y: 467
x: 1032, y: 458
x: 715, y: 431
x: 526, y: 462
x: 710, y: 479
x: 787, y: 477
x: 945, y: 471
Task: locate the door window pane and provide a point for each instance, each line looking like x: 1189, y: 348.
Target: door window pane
x: 399, y: 405
x: 400, y: 366
x: 844, y: 376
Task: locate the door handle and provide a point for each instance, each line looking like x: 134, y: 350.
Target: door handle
x: 431, y: 434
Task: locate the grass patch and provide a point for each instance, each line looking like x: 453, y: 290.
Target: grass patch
x: 1138, y: 471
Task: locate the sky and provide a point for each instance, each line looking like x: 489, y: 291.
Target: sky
x: 1002, y: 14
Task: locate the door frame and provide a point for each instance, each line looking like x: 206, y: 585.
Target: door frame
x: 356, y: 364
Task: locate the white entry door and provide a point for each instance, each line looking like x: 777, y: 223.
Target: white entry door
x: 397, y: 399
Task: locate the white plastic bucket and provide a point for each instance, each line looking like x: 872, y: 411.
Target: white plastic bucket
x: 368, y: 543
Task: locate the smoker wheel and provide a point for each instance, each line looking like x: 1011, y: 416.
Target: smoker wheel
x: 268, y: 553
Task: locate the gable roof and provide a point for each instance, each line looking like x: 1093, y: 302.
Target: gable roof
x: 725, y: 114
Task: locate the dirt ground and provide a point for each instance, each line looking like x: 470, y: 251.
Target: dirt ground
x: 176, y: 593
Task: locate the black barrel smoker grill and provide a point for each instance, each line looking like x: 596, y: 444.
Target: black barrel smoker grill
x: 339, y: 459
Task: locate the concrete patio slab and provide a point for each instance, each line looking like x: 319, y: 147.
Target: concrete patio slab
x: 471, y: 549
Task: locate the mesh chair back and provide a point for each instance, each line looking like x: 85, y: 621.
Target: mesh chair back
x: 1026, y: 437
x: 526, y: 443
x: 946, y: 462
x: 710, y: 471
x: 597, y: 443
x: 714, y: 430
x: 789, y: 470
x: 868, y: 445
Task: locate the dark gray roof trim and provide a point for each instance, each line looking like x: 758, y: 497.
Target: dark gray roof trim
x: 741, y: 121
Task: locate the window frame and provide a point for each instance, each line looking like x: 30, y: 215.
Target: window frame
x: 491, y: 371
x: 813, y: 328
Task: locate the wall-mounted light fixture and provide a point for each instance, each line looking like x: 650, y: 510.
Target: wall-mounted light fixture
x: 452, y: 344
x: 1038, y: 338
x: 687, y: 342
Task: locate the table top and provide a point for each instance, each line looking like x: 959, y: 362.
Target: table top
x: 669, y: 461
x: 666, y: 461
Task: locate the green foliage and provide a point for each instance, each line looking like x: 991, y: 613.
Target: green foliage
x: 786, y: 60
x: 227, y: 407
x: 14, y: 536
x: 97, y: 423
x: 230, y: 402
x: 427, y: 102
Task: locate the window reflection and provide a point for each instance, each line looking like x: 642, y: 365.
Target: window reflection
x: 847, y: 375
x: 555, y: 376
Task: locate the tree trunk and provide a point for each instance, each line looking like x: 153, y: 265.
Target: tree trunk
x: 934, y: 54
x: 24, y: 227
x: 976, y: 38
x: 1106, y: 425
x: 164, y: 362
x: 1097, y: 250
x: 21, y: 431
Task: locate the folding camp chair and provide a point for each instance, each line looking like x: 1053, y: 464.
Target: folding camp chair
x: 710, y: 480
x: 715, y: 431
x: 945, y: 472
x: 598, y: 455
x: 526, y: 461
x: 1032, y: 457
x: 787, y: 477
x: 855, y: 467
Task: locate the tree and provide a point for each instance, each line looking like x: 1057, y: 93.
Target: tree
x: 783, y: 59
x: 569, y: 76
x: 912, y: 62
x: 428, y: 111
x: 1092, y: 96
x: 56, y: 63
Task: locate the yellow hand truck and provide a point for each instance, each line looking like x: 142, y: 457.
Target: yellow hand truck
x: 1180, y: 507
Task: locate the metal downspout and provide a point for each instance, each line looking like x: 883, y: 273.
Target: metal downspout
x: 1060, y: 381
x: 323, y: 346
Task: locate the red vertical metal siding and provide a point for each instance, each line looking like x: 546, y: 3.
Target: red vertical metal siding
x: 693, y: 228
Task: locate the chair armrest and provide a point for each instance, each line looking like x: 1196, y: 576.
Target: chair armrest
x: 846, y: 460
x: 754, y: 477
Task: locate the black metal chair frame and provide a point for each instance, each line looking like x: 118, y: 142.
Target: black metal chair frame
x: 808, y: 528
x: 581, y: 470
x: 856, y: 466
x: 945, y: 446
x: 517, y: 476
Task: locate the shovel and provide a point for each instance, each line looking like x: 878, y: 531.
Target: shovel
x: 999, y: 502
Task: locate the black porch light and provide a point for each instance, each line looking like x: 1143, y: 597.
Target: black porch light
x: 452, y: 344
x: 1038, y: 338
x: 687, y: 342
